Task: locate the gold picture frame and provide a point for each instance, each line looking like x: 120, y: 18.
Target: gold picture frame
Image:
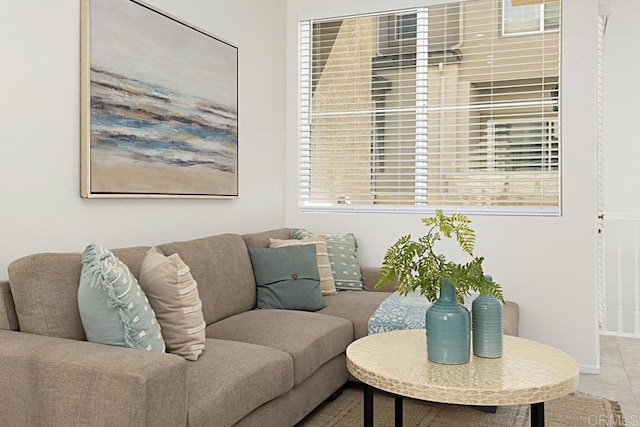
x: 159, y: 105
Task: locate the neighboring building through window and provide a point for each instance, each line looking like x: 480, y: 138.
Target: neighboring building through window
x: 406, y: 26
x: 520, y: 145
x: 430, y: 108
x: 530, y: 18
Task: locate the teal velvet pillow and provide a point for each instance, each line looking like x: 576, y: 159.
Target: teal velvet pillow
x: 287, y: 277
x: 113, y: 308
x: 343, y: 257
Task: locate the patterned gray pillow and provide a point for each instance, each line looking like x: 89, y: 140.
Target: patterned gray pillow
x: 343, y: 257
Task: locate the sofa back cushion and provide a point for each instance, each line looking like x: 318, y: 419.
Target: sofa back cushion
x: 45, y: 291
x: 45, y: 286
x: 261, y: 240
x: 222, y: 268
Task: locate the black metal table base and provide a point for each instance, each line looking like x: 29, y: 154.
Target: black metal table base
x: 537, y: 410
x: 398, y: 410
x: 368, y: 406
x: 537, y: 414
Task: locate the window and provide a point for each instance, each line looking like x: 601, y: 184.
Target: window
x: 530, y: 18
x: 428, y: 108
x: 521, y: 145
x: 406, y: 26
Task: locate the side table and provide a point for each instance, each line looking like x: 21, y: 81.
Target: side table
x: 528, y: 373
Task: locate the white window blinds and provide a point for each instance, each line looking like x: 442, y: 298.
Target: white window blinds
x: 430, y: 108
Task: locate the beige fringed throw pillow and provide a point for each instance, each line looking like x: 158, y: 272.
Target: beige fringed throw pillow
x: 327, y: 285
x: 173, y: 294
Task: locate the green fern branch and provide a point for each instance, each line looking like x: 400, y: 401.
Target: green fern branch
x: 412, y: 265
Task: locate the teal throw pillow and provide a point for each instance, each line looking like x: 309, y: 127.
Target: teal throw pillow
x: 113, y: 308
x: 287, y: 277
x: 343, y: 257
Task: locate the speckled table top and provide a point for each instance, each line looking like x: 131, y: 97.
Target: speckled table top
x: 528, y: 372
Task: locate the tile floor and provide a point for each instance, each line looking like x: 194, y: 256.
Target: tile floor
x: 619, y: 377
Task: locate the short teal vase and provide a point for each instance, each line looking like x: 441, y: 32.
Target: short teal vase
x: 448, y: 328
x: 487, y: 326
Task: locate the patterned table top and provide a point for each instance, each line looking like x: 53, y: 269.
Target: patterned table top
x: 528, y: 372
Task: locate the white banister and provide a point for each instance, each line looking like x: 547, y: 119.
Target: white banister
x: 619, y: 274
x: 636, y: 302
x: 619, y: 281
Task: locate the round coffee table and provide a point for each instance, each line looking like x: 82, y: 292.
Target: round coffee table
x: 528, y: 373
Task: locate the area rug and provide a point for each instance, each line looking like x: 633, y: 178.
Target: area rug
x: 577, y: 409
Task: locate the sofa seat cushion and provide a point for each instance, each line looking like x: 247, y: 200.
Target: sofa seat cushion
x: 230, y: 379
x: 355, y: 306
x: 311, y: 339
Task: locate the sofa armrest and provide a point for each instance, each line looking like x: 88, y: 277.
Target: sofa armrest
x: 370, y: 276
x: 56, y: 381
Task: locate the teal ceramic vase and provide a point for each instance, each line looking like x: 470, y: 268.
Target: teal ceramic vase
x: 448, y: 328
x: 487, y: 326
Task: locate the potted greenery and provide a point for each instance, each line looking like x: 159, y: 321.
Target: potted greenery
x: 414, y: 265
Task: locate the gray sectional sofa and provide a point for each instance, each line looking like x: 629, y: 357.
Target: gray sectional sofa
x: 259, y: 367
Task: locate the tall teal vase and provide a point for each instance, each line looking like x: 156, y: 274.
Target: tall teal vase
x: 448, y: 328
x: 487, y: 326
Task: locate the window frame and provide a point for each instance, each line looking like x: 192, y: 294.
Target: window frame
x: 541, y: 27
x: 549, y: 126
x: 399, y: 26
x: 304, y: 204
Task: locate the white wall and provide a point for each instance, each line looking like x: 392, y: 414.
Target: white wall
x: 547, y: 265
x: 40, y: 205
x: 622, y: 108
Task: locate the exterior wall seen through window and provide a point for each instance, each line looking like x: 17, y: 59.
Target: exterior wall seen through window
x: 434, y: 107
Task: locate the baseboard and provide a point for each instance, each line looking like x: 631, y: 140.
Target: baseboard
x: 620, y: 334
x: 590, y: 369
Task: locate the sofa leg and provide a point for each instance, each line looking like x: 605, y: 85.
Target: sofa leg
x: 336, y: 394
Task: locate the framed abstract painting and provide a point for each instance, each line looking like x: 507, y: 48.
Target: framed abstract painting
x: 159, y: 114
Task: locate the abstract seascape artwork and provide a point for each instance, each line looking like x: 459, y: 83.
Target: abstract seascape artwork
x: 159, y: 114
